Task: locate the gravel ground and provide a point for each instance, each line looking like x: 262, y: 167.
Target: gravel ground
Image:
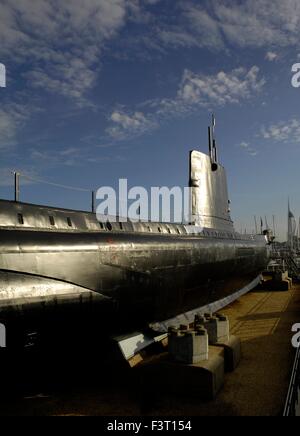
x: 259, y: 385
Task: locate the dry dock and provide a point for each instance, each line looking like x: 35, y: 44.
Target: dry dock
x: 263, y: 321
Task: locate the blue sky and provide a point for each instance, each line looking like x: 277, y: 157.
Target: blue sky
x: 99, y: 90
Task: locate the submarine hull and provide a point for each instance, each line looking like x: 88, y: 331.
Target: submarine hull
x: 130, y: 279
x: 62, y: 267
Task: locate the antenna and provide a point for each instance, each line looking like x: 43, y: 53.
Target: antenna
x: 266, y: 222
x: 93, y: 202
x: 210, y: 143
x: 17, y: 186
x: 274, y: 226
x: 213, y: 145
x: 298, y: 245
x: 255, y: 222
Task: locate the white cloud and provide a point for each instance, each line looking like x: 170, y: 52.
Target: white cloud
x: 204, y: 27
x: 246, y: 147
x: 125, y: 125
x: 253, y: 152
x: 11, y: 119
x: 259, y: 23
x: 221, y: 88
x: 175, y: 37
x: 210, y: 91
x: 219, y: 24
x: 62, y: 42
x: 194, y: 91
x: 72, y: 79
x: 7, y: 128
x: 151, y: 2
x: 193, y: 28
x: 271, y: 56
x: 50, y: 20
x: 283, y: 131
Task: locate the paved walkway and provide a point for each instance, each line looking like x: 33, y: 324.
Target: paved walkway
x: 263, y: 321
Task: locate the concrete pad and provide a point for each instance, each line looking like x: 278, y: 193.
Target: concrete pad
x: 201, y: 380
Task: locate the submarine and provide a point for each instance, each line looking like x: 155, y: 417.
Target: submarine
x: 58, y: 265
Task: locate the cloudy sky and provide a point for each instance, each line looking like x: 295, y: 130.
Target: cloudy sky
x: 103, y: 89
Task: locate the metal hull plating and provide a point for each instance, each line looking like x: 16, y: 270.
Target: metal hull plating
x: 138, y: 277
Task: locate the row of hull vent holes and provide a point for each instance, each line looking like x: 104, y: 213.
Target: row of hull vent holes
x: 106, y: 226
x: 51, y: 220
x: 109, y: 227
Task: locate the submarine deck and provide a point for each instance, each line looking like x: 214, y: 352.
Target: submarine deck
x: 263, y: 321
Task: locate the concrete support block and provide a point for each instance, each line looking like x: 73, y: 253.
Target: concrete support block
x: 232, y: 353
x: 188, y: 346
x: 280, y: 276
x: 283, y: 285
x: 217, y: 328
